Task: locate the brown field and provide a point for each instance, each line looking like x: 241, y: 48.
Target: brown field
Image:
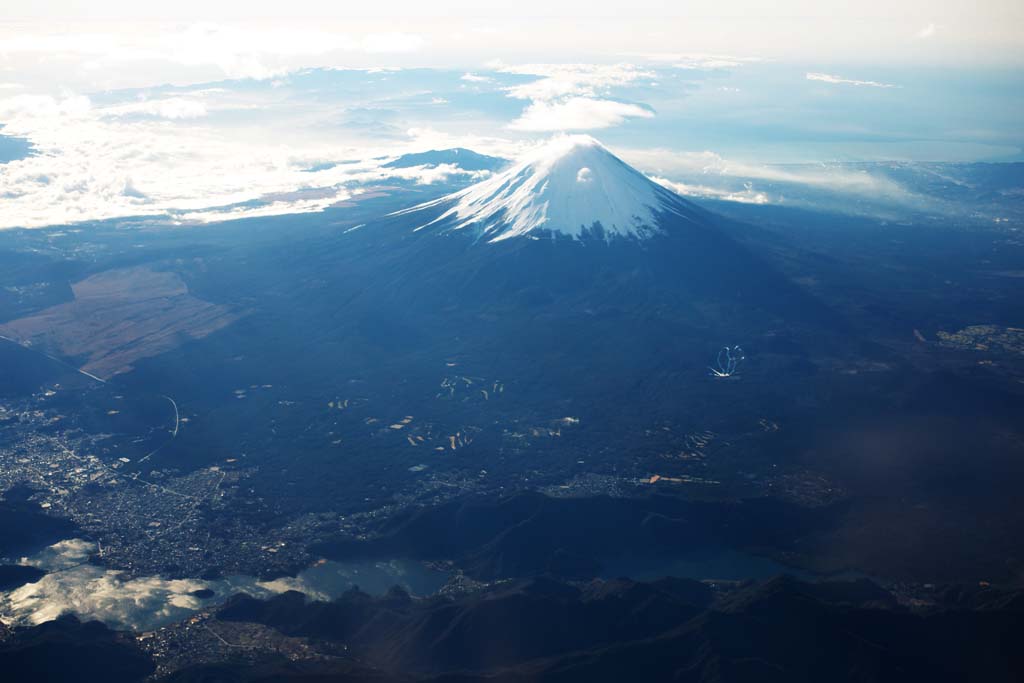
x: 119, y: 317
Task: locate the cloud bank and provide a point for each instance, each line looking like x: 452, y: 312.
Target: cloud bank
x: 235, y: 51
x: 160, y: 156
x: 573, y: 97
x: 838, y: 80
x: 577, y: 113
x: 144, y: 603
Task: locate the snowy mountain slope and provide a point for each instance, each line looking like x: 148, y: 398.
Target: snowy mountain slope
x: 572, y: 186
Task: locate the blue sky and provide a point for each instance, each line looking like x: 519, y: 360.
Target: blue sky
x: 133, y: 111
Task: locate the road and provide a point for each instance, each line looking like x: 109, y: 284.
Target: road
x: 174, y: 433
x: 55, y: 360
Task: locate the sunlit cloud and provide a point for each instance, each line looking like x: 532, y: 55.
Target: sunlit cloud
x: 376, y: 43
x: 577, y: 113
x: 295, y: 204
x: 926, y: 32
x: 565, y: 80
x: 224, y: 149
x: 237, y: 52
x: 21, y: 108
x: 746, y: 196
x: 574, y: 96
x: 697, y: 61
x: 140, y: 603
x: 160, y: 157
x: 169, y: 108
x: 837, y: 80
x: 708, y: 174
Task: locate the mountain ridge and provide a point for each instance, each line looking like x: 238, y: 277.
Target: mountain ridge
x: 466, y: 159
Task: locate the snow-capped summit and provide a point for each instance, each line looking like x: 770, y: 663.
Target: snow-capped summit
x: 571, y: 186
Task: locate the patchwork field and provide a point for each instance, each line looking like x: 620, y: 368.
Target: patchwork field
x: 118, y: 317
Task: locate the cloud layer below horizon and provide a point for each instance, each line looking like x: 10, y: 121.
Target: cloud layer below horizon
x: 272, y: 139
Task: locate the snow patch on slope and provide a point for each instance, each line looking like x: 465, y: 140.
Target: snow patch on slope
x: 572, y: 186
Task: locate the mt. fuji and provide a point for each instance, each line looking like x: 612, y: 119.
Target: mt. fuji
x: 570, y: 227
x: 565, y: 295
x: 572, y: 186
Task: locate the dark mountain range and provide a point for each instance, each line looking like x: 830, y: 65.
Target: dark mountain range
x: 781, y: 629
x: 15, y: 575
x: 540, y: 630
x: 24, y: 527
x: 67, y: 650
x: 466, y: 159
x: 529, y: 534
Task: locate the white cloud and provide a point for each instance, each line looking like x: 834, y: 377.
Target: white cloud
x: 169, y: 108
x: 697, y: 60
x: 236, y: 51
x: 710, y: 165
x: 93, y: 163
x: 837, y: 80
x: 474, y: 78
x: 95, y: 592
x: 711, y: 175
x: 577, y: 113
x: 565, y: 80
x: 141, y: 603
x: 377, y: 43
x: 161, y: 157
x: 574, y: 96
x: 717, y: 35
x: 274, y: 208
x: 926, y: 32
x: 423, y: 175
x: 745, y: 196
x: 14, y: 110
x: 62, y: 555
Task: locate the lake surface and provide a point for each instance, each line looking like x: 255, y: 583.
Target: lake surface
x: 726, y: 564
